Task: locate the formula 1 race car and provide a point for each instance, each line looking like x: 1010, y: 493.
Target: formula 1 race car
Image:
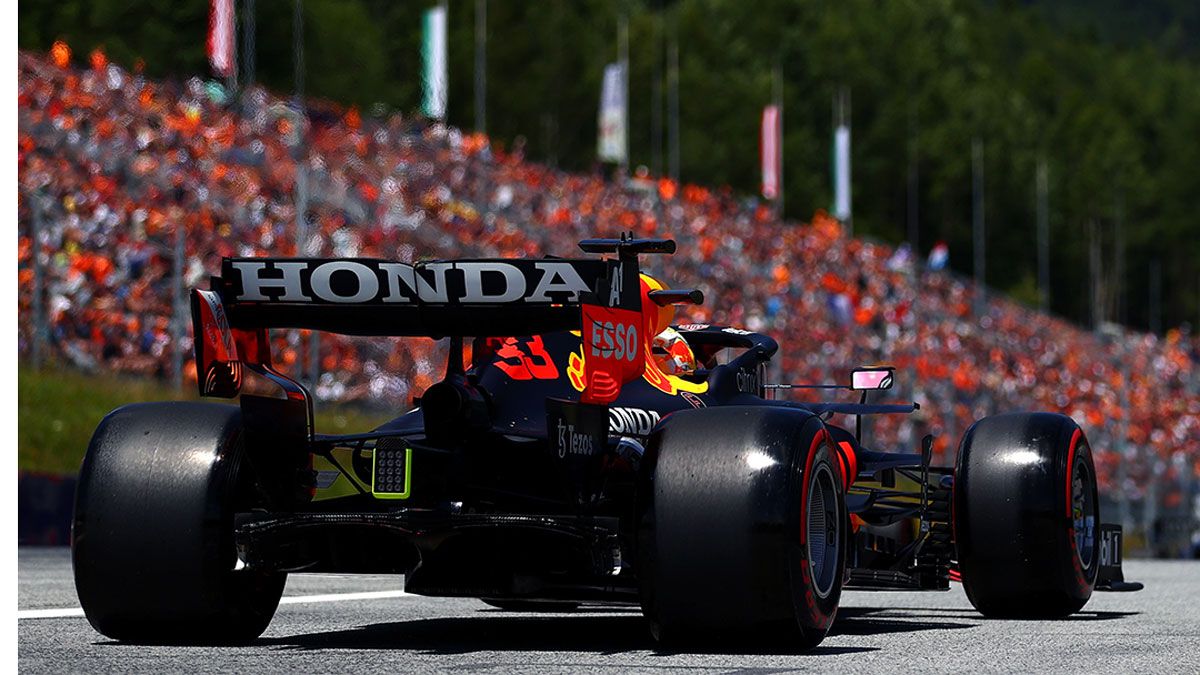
x: 558, y: 463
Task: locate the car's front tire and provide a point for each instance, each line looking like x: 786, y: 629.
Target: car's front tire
x: 1026, y: 516
x: 742, y: 526
x: 152, y: 541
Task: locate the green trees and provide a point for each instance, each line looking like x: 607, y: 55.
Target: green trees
x: 1108, y: 95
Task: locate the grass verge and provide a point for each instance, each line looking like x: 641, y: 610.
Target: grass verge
x: 57, y: 411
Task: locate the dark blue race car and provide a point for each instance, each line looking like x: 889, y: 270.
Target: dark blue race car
x: 571, y: 456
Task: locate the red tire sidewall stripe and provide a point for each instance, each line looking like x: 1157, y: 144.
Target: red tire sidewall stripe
x: 1070, y: 465
x: 1078, y: 575
x: 808, y: 462
x: 816, y: 614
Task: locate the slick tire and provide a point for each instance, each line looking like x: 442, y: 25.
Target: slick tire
x: 152, y: 540
x: 742, y: 527
x: 1026, y: 516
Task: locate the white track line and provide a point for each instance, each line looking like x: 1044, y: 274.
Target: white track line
x: 49, y: 613
x: 68, y: 612
x: 337, y: 597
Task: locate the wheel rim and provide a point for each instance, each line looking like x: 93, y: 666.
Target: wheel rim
x: 823, y: 532
x: 1083, y: 514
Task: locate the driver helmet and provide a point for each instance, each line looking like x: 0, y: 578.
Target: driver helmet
x: 672, y: 353
x: 670, y: 350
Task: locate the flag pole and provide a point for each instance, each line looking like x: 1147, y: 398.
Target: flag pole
x: 673, y: 103
x: 656, y: 99
x: 978, y: 225
x: 777, y: 96
x: 1043, y: 234
x: 249, y: 43
x: 623, y: 57
x: 481, y: 66
x: 231, y: 82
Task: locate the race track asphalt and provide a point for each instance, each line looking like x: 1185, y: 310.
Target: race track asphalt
x: 1156, y: 630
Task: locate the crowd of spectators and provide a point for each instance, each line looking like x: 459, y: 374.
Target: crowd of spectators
x: 112, y: 164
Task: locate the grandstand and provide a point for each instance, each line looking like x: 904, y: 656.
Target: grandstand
x: 111, y: 164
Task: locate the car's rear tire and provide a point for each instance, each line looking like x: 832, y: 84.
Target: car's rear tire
x: 152, y: 542
x: 742, y: 527
x: 1026, y: 516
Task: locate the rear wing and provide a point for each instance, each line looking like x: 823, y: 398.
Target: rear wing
x: 470, y: 298
x: 443, y: 298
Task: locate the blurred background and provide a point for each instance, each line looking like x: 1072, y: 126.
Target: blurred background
x: 997, y: 197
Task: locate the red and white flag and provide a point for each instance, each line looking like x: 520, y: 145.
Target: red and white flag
x: 770, y: 140
x: 222, y: 43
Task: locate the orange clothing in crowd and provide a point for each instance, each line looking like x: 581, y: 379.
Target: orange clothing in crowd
x: 174, y: 159
x: 98, y: 60
x: 60, y: 54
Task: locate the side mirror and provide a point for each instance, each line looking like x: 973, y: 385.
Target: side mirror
x: 873, y: 378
